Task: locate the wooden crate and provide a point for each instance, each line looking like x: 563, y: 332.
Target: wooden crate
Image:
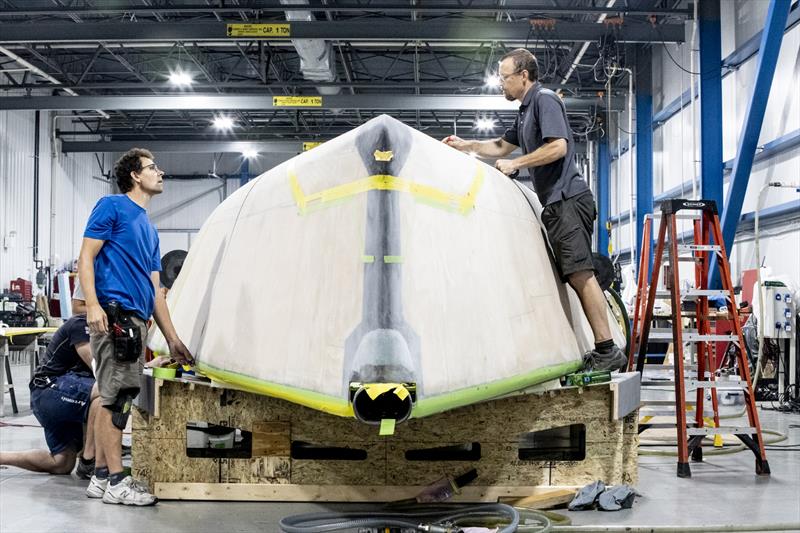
x: 159, y: 447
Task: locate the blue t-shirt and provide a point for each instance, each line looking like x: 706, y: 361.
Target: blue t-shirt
x: 129, y: 255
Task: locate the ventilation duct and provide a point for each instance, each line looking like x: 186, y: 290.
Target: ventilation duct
x: 317, y: 62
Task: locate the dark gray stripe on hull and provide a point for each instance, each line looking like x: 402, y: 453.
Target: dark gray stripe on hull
x: 383, y: 348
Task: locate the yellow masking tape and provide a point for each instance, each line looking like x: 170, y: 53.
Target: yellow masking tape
x: 389, y: 259
x: 259, y: 30
x: 383, y: 182
x: 297, y: 101
x: 309, y: 145
x: 383, y: 156
x: 374, y: 390
x: 368, y: 258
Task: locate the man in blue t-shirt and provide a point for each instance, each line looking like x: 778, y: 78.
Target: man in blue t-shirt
x: 542, y: 131
x: 119, y: 268
x: 62, y: 390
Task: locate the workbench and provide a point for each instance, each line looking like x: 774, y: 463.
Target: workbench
x: 23, y: 339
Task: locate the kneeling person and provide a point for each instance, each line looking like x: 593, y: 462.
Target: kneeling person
x: 62, y: 390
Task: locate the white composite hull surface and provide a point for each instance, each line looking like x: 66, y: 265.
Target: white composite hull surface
x: 381, y: 256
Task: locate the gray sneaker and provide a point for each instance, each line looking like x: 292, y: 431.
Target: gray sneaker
x: 129, y: 492
x: 616, y: 360
x: 96, y: 488
x: 84, y: 470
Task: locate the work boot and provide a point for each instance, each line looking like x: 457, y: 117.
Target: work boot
x: 129, y: 492
x: 97, y: 487
x: 614, y: 360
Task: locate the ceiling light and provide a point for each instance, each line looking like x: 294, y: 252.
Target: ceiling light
x: 484, y: 123
x: 223, y: 123
x: 492, y: 81
x: 180, y: 78
x: 250, y: 153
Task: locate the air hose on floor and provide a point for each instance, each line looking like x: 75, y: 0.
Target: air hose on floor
x: 431, y: 520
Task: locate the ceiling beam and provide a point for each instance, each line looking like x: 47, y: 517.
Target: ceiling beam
x: 373, y: 29
x: 197, y: 147
x: 346, y: 7
x: 191, y: 147
x: 261, y: 103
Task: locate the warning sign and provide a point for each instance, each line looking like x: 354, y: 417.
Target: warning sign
x: 297, y: 101
x: 259, y: 30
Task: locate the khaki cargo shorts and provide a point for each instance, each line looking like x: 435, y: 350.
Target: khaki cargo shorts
x: 112, y: 375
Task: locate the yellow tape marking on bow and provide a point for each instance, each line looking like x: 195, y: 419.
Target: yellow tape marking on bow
x: 374, y: 390
x: 383, y: 156
x: 384, y: 182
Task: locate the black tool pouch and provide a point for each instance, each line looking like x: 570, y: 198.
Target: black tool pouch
x: 127, y: 336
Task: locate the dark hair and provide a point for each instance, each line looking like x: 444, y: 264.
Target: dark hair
x: 524, y: 60
x: 129, y: 162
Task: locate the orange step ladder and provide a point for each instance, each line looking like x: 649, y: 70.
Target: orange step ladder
x: 707, y: 242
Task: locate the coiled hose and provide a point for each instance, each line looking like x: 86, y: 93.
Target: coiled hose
x: 438, y: 520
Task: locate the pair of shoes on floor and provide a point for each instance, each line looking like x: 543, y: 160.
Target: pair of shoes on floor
x: 126, y: 492
x: 596, y: 361
x: 605, y: 498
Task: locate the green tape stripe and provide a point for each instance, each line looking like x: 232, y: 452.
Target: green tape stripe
x: 389, y: 259
x: 315, y: 400
x: 460, y: 398
x: 387, y: 427
x: 424, y: 407
x: 368, y: 258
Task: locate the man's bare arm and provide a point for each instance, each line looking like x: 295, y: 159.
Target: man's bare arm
x: 552, y: 150
x: 492, y: 148
x: 95, y: 316
x: 177, y: 349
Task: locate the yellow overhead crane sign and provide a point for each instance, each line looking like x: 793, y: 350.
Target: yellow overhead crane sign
x: 310, y: 144
x: 297, y: 101
x: 259, y: 30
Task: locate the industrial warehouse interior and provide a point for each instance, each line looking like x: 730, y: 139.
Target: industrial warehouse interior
x: 399, y: 265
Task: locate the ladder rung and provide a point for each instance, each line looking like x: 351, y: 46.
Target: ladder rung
x: 694, y: 293
x: 665, y: 412
x: 698, y: 384
x: 698, y: 248
x: 663, y: 425
x: 657, y: 366
x: 719, y: 385
x: 690, y: 336
x: 723, y: 430
x: 664, y: 402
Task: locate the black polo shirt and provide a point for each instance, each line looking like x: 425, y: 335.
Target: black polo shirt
x: 542, y: 115
x: 61, y: 356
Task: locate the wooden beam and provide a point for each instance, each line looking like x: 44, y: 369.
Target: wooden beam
x: 337, y: 493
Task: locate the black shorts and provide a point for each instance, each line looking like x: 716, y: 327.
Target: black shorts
x: 569, y: 224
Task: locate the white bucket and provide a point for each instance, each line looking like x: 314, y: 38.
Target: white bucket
x: 221, y: 442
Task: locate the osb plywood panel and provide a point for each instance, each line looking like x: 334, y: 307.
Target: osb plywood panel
x: 159, y: 444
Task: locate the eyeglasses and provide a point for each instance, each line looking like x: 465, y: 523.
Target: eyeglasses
x: 153, y: 166
x: 504, y: 78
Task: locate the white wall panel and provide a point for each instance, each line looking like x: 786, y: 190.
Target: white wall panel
x: 62, y: 216
x: 16, y: 188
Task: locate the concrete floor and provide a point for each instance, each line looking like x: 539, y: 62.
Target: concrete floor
x: 723, y: 490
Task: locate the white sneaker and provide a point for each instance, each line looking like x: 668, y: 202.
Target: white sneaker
x: 97, y: 487
x: 129, y: 492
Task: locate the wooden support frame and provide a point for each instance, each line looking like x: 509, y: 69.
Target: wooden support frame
x: 272, y: 474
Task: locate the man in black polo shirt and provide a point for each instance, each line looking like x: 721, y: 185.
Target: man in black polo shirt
x: 62, y: 389
x: 542, y: 131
